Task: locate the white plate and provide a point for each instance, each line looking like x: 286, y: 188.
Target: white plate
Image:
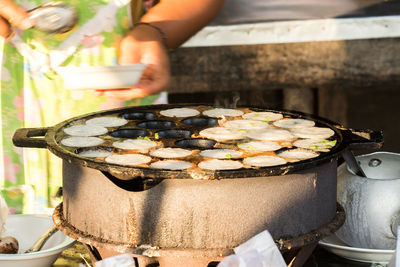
x: 100, y: 77
x: 336, y: 246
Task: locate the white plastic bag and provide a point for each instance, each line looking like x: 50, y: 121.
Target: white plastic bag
x: 259, y: 251
x: 122, y: 260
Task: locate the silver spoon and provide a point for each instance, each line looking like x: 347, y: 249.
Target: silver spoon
x: 42, y: 240
x: 54, y: 17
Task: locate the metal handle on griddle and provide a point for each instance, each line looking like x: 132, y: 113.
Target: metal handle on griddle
x: 361, y: 139
x: 30, y: 137
x: 352, y: 163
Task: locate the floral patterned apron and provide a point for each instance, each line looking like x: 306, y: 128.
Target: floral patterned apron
x: 32, y: 95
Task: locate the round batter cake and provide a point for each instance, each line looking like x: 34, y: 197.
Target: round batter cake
x: 223, y: 112
x: 81, y: 141
x: 220, y: 164
x: 171, y: 164
x: 180, y: 112
x: 85, y: 130
x: 128, y: 159
x: 263, y: 116
x: 264, y: 161
x: 107, y: 121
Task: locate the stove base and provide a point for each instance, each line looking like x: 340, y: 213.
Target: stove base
x: 295, y: 251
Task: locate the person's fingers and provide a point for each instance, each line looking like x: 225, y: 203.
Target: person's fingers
x: 5, y: 29
x: 142, y: 89
x: 153, y: 80
x: 15, y: 15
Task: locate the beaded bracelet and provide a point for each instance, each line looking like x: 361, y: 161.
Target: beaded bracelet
x: 161, y: 32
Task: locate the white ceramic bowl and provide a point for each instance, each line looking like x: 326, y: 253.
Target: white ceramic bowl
x: 100, y: 77
x: 27, y: 228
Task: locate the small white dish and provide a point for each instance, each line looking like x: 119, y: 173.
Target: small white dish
x: 100, y: 77
x: 336, y: 246
x: 27, y: 228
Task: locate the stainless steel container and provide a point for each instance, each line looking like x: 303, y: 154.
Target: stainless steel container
x: 372, y: 203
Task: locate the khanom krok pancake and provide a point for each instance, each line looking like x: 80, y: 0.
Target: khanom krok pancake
x: 293, y: 123
x: 221, y: 153
x: 262, y: 116
x: 246, y: 124
x: 313, y: 132
x: 222, y: 133
x: 180, y: 112
x: 169, y: 152
x: 141, y: 145
x: 220, y: 164
x: 222, y: 112
x: 171, y: 164
x: 107, y: 121
x: 82, y: 141
x: 128, y: 159
x: 264, y: 161
x: 85, y: 130
x: 298, y: 154
x: 269, y: 134
x: 316, y: 145
x: 94, y: 153
x: 259, y: 146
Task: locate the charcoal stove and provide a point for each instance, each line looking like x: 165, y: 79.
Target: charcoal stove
x: 193, y: 216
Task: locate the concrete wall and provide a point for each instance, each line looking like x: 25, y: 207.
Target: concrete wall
x: 353, y: 82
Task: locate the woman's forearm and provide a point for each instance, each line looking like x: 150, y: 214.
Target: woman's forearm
x: 180, y: 19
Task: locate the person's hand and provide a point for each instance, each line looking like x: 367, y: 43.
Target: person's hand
x: 12, y: 14
x: 143, y: 45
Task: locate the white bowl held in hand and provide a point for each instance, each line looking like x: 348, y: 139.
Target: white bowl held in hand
x: 27, y: 228
x: 100, y: 77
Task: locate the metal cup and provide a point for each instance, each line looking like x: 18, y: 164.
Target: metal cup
x: 54, y: 17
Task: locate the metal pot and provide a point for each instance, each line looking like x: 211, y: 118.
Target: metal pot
x: 371, y: 203
x: 126, y: 208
